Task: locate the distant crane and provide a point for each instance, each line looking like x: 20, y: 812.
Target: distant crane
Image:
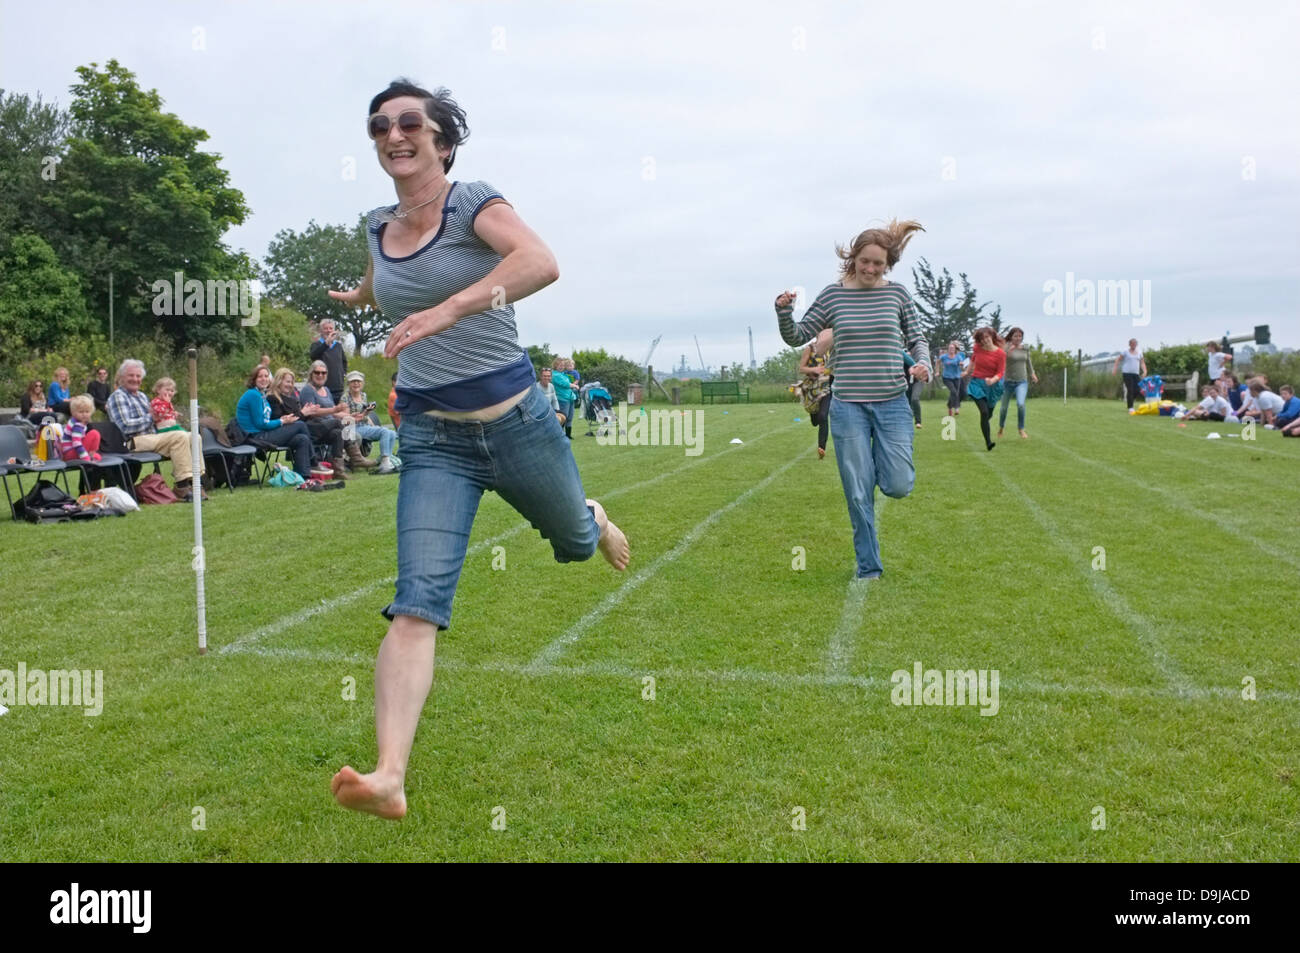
x: 753, y: 364
x: 650, y: 353
x: 704, y: 368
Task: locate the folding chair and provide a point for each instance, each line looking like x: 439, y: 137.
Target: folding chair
x: 215, y: 449
x: 89, y: 471
x: 112, y: 442
x: 14, y: 444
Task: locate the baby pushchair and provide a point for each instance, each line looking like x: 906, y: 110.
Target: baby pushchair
x: 597, y: 407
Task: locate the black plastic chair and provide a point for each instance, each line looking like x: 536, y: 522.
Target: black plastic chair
x: 90, y: 472
x: 112, y: 442
x: 13, y: 443
x: 213, y: 449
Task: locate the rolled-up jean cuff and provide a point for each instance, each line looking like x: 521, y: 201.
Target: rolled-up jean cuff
x: 390, y: 612
x: 586, y: 552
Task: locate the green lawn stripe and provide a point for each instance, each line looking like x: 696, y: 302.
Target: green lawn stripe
x: 1141, y: 626
x: 556, y: 648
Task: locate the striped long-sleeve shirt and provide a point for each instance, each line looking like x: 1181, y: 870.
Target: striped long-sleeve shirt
x: 871, y: 327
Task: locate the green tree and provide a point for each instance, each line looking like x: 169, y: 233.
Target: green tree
x: 32, y: 137
x: 301, y: 268
x: 40, y: 300
x: 541, y: 356
x: 614, y: 373
x: 947, y: 315
x: 1173, y: 359
x: 137, y: 198
x: 596, y: 357
x: 781, y: 368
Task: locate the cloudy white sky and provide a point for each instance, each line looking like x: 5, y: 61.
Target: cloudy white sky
x: 688, y: 161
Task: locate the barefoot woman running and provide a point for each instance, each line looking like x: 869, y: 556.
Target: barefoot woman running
x: 871, y: 318
x: 444, y: 262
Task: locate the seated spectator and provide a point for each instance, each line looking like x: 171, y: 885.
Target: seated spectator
x: 58, y: 394
x: 1214, y: 406
x: 1290, y: 407
x: 33, y: 404
x: 1268, y: 402
x: 164, y: 414
x: 99, y: 390
x: 1292, y: 429
x: 324, y: 429
x: 79, y: 442
x: 1249, y: 410
x: 359, y: 408
x: 318, y: 401
x: 129, y: 410
x: 1231, y: 389
x: 253, y: 413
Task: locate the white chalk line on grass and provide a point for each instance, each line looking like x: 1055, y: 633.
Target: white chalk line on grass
x: 686, y: 466
x: 757, y: 676
x: 329, y: 605
x: 1175, y: 502
x: 1251, y: 445
x: 840, y: 647
x: 1136, y: 621
x: 552, y: 652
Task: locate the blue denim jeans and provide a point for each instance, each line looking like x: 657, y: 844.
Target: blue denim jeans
x: 873, y: 448
x: 1021, y: 391
x: 446, y: 465
x: 386, y: 436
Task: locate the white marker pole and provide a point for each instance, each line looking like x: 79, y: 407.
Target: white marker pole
x: 196, y: 458
x: 1065, y: 386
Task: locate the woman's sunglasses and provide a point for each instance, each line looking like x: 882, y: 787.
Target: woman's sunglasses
x: 410, y: 121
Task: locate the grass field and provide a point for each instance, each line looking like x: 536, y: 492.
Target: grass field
x: 1120, y: 688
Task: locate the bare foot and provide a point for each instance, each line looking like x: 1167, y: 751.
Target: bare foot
x: 377, y: 794
x: 999, y: 433
x: 613, y: 544
x: 821, y: 453
x: 1023, y: 435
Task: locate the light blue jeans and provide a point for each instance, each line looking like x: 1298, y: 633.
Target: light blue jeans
x: 873, y: 448
x: 1021, y: 390
x: 446, y: 466
x: 386, y: 436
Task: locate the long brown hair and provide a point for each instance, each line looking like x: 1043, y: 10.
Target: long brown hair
x: 893, y: 238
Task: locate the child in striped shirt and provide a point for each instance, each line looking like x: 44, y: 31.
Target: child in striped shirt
x: 79, y: 442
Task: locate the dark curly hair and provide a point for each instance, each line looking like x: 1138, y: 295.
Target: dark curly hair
x: 438, y: 106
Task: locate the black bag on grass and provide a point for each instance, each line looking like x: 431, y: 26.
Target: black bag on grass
x: 46, y: 503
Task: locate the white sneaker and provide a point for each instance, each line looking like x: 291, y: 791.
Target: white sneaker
x: 386, y: 466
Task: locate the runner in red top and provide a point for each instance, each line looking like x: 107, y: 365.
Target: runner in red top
x: 987, y: 368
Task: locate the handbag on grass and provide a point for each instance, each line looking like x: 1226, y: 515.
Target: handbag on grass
x: 285, y: 477
x: 154, y: 489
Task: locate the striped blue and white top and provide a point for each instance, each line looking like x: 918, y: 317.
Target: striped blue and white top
x: 475, y: 363
x: 871, y: 327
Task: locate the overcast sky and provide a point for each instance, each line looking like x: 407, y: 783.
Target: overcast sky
x: 686, y: 162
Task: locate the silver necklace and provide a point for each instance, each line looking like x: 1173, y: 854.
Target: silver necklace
x: 400, y: 214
